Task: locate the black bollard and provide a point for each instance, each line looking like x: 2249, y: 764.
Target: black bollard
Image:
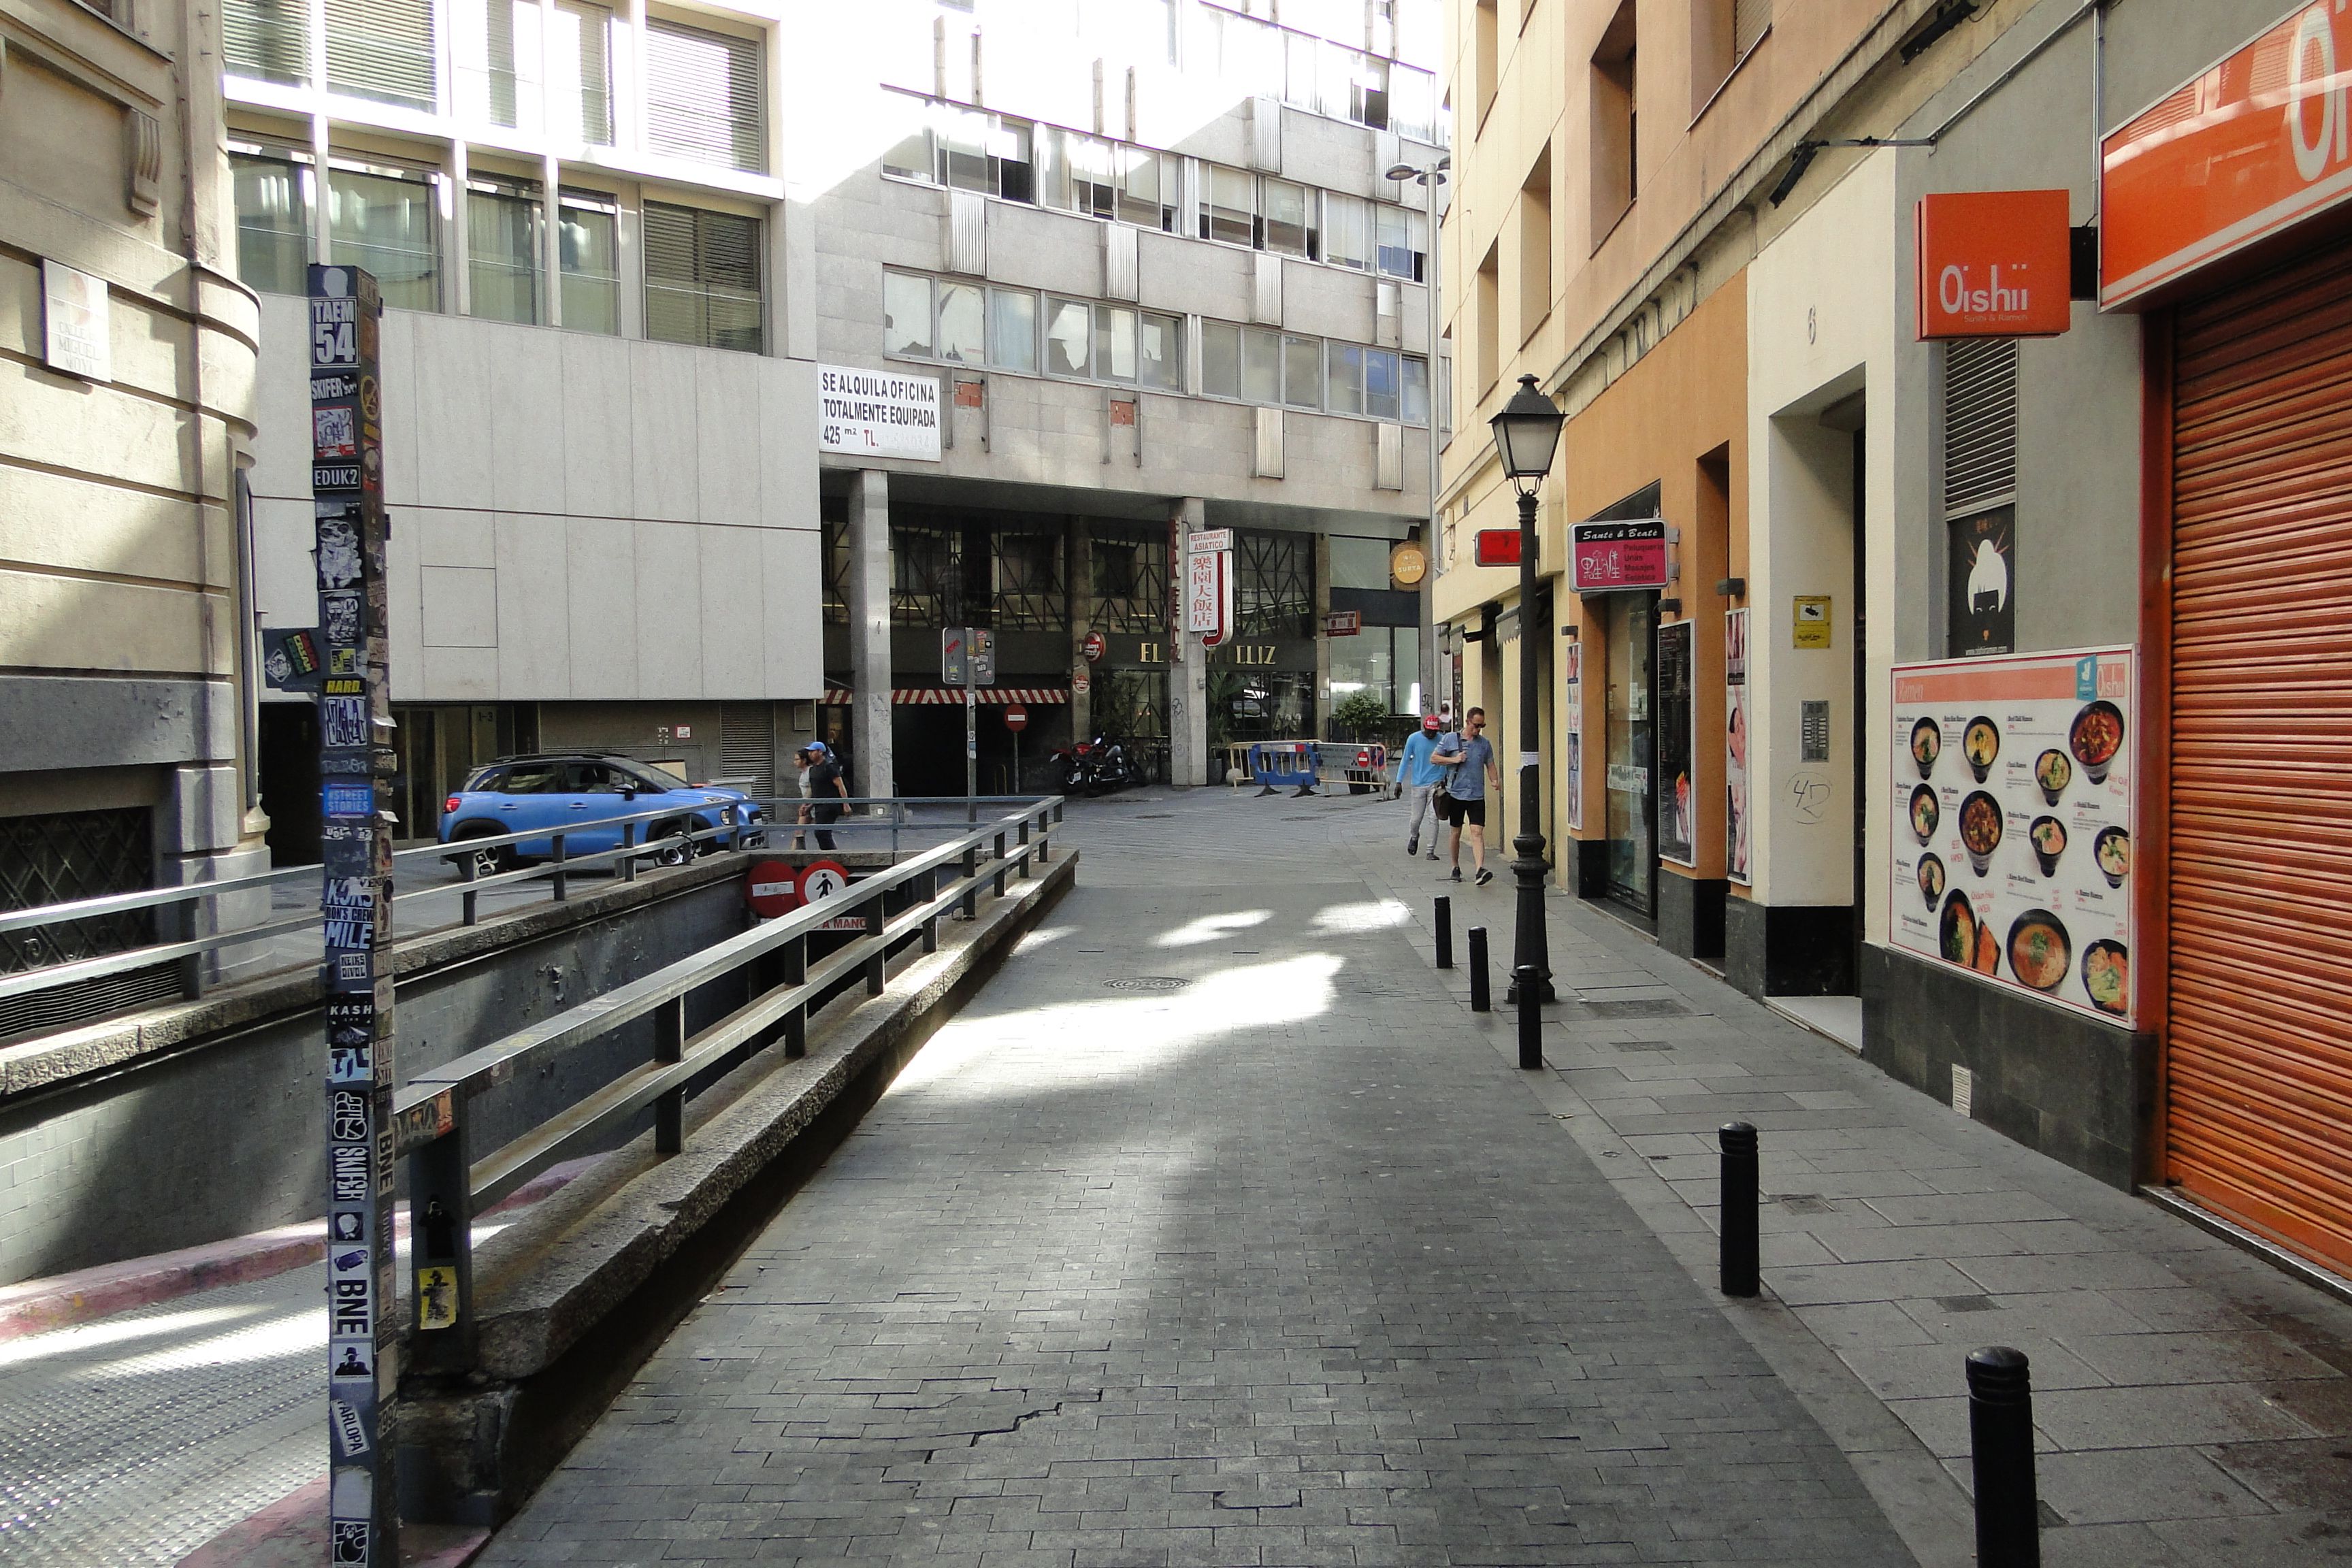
x: 1528, y: 980
x: 1445, y: 933
x: 1736, y: 1196
x: 1480, y: 1002
x: 2000, y: 1436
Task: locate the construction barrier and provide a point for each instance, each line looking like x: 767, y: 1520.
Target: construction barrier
x: 1283, y: 765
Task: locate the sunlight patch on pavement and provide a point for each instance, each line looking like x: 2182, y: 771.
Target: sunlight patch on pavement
x: 1379, y: 914
x: 1209, y: 928
x: 291, y: 1334
x: 97, y: 1336
x: 1030, y: 1049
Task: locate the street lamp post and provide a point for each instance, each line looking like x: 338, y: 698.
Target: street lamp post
x: 1527, y: 434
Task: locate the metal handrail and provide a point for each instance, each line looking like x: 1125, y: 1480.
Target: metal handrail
x: 431, y: 1117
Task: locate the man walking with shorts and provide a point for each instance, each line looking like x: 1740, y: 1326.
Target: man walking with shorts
x: 1471, y: 756
x: 1419, y: 774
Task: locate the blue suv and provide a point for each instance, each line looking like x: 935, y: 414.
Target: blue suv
x: 581, y: 793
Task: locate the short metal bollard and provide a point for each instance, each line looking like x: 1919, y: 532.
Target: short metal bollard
x: 1445, y: 933
x: 1737, y: 1194
x: 2001, y: 1438
x: 1481, y: 1001
x: 1528, y: 980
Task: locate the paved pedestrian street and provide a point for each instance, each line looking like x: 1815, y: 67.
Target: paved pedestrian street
x: 1212, y: 1234
x: 1217, y: 1230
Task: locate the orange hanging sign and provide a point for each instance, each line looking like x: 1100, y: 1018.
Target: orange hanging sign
x: 1993, y: 264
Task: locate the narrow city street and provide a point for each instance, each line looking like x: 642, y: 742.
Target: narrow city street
x: 1218, y: 1230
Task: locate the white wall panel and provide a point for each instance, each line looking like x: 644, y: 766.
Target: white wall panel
x: 662, y: 435
x: 793, y: 644
x: 727, y: 437
x: 600, y: 558
x: 526, y: 417
x: 733, y: 620
x: 534, y: 609
x: 599, y: 462
x: 668, y: 569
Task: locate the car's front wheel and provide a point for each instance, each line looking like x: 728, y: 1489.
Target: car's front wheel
x: 486, y: 862
x: 677, y: 850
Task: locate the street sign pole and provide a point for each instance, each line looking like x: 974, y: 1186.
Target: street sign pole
x: 354, y: 750
x: 970, y: 757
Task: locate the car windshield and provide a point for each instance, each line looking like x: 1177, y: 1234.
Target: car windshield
x: 661, y: 778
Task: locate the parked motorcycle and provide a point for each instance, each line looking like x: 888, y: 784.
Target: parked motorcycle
x: 1096, y: 767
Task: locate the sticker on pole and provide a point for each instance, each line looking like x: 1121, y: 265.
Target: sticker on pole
x: 772, y: 888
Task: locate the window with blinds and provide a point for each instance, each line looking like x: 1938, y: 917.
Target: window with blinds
x: 582, y: 65
x: 381, y: 49
x: 705, y: 96
x: 703, y: 278
x: 268, y: 40
x: 1750, y: 18
x: 1979, y: 422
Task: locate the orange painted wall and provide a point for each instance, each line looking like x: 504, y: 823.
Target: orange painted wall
x: 1684, y: 400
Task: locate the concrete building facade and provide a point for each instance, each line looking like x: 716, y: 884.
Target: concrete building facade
x: 127, y: 369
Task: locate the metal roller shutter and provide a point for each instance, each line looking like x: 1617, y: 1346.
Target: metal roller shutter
x: 2259, y: 1119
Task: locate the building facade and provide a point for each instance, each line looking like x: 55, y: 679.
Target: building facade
x: 600, y: 394
x: 127, y: 365
x: 1149, y: 255
x: 1999, y: 539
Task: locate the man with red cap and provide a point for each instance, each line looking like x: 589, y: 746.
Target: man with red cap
x: 1418, y: 775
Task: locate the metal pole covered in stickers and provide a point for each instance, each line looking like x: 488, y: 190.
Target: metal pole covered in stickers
x: 354, y: 750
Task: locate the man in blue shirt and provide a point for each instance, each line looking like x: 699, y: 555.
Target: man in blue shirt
x: 1418, y: 773
x: 1471, y: 757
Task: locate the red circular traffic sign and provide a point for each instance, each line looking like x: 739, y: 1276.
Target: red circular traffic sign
x: 771, y: 888
x: 1094, y: 647
x: 821, y: 879
x: 1017, y: 718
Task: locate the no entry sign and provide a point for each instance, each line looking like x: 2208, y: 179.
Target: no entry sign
x: 1017, y: 718
x: 769, y: 887
x: 1096, y: 646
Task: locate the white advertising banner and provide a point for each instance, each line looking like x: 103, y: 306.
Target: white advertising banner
x: 1571, y: 730
x: 2013, y: 801
x: 877, y: 413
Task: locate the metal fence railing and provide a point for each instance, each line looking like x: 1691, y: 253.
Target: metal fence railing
x: 433, y: 1116
x: 197, y: 921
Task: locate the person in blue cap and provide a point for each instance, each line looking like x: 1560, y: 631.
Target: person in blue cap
x: 1417, y: 775
x: 825, y: 789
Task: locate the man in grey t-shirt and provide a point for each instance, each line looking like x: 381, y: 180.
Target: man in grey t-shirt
x: 1471, y: 756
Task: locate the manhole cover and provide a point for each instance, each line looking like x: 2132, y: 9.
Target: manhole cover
x: 1644, y: 1009
x: 1147, y: 982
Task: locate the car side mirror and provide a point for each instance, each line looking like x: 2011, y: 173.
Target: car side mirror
x: 628, y: 794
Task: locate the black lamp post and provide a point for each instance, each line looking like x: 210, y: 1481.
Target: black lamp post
x: 1527, y: 434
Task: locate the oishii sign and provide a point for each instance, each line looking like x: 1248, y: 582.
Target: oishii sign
x: 2257, y: 142
x: 1993, y: 264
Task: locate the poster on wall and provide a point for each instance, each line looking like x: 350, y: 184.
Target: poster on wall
x: 1677, y: 743
x: 1571, y: 730
x: 1982, y: 617
x: 2013, y: 801
x: 1734, y: 745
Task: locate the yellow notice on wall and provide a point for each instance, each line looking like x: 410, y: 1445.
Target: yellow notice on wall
x: 1812, y: 625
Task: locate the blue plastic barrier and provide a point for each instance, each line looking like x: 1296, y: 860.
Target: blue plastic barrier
x: 1278, y: 764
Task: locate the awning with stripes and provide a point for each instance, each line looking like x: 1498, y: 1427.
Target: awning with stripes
x: 1002, y: 695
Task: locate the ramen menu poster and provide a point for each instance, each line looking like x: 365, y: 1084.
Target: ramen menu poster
x: 2012, y: 801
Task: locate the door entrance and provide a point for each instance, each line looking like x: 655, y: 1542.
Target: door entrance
x: 1631, y: 646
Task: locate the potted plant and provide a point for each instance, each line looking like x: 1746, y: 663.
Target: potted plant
x: 1362, y: 714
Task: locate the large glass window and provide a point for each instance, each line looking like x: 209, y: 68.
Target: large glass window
x: 582, y: 60
x: 1416, y: 391
x: 502, y: 241
x: 1160, y: 352
x: 1226, y: 205
x: 268, y: 40
x: 1282, y: 207
x: 1012, y: 329
x: 1221, y: 359
x: 1069, y: 333
x: 705, y: 96
x: 273, y: 221
x: 1262, y: 365
x: 911, y: 156
x: 1403, y: 238
x: 960, y: 136
x: 589, y: 240
x: 906, y: 314
x: 1346, y: 386
x: 1302, y: 371
x: 1347, y: 231
x: 1382, y: 387
x: 963, y: 335
x: 703, y: 273
x: 1113, y: 343
x: 384, y: 221
x: 496, y: 51
x: 381, y: 49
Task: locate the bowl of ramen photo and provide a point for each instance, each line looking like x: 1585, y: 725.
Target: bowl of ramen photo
x: 2048, y: 837
x: 2096, y: 737
x: 1955, y: 935
x: 1988, y: 949
x: 2040, y: 952
x: 1927, y: 745
x: 1925, y: 813
x: 1931, y: 879
x: 1980, y: 829
x: 2053, y: 773
x: 1980, y: 744
x: 2107, y: 976
x: 2111, y: 849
